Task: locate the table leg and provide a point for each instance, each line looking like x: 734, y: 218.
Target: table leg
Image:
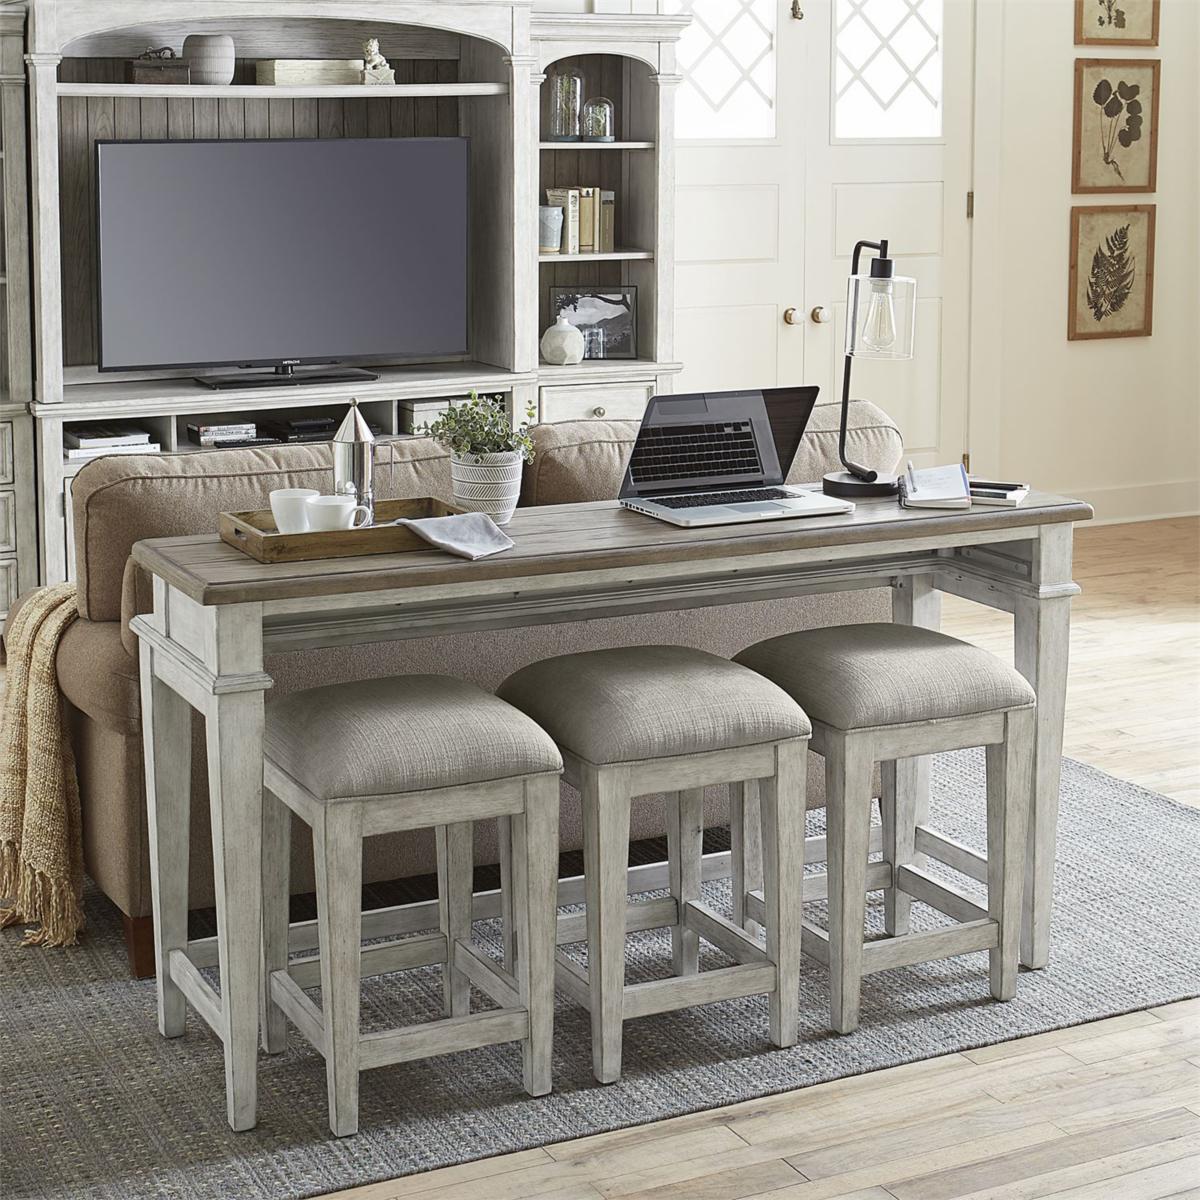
x: 1042, y: 630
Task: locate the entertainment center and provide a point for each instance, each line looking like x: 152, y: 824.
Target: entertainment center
x: 464, y: 68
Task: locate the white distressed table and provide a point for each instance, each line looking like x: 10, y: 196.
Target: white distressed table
x: 217, y: 613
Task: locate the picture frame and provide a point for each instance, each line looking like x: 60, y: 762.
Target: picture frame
x: 1112, y: 271
x: 1115, y: 133
x: 596, y: 311
x: 1117, y: 22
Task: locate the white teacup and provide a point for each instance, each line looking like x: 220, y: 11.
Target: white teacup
x: 336, y: 512
x: 290, y: 510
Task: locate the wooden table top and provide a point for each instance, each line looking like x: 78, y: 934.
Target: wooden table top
x: 568, y: 538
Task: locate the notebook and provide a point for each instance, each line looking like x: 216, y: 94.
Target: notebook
x: 935, y: 487
x: 999, y: 495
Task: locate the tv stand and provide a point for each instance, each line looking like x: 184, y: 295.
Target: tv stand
x: 285, y: 376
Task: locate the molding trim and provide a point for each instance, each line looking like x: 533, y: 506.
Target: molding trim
x: 1142, y: 501
x: 617, y: 27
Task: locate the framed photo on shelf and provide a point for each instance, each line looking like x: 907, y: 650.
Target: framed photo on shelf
x: 1115, y: 145
x: 1112, y: 271
x: 1116, y: 22
x: 606, y: 316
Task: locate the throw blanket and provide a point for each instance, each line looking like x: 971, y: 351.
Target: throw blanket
x: 41, y: 832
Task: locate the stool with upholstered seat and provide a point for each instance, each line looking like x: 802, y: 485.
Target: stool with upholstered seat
x: 384, y: 756
x: 641, y: 720
x: 878, y: 693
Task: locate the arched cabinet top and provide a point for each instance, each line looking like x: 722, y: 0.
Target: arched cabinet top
x: 647, y: 39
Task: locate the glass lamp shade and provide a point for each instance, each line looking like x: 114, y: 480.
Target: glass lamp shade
x: 598, y: 122
x: 566, y: 95
x: 880, y: 316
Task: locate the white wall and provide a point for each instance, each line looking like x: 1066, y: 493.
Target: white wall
x: 1116, y: 422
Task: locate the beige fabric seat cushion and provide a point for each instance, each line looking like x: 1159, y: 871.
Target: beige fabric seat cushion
x: 860, y: 676
x: 403, y: 733
x: 642, y: 702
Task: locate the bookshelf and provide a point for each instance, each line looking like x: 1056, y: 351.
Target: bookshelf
x: 463, y: 68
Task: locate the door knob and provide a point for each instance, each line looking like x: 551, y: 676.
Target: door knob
x: 821, y: 315
x: 789, y: 316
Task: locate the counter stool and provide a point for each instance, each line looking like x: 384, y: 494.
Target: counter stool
x: 878, y: 693
x: 636, y: 721
x: 412, y: 752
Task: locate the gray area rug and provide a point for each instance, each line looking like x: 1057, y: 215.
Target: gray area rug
x: 96, y: 1104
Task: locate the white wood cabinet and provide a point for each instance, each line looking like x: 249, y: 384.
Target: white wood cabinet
x: 474, y: 68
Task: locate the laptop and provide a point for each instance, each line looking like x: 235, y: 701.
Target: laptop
x: 721, y: 458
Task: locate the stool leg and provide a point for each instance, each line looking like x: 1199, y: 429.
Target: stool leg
x: 508, y: 931
x: 276, y: 853
x: 606, y: 804
x: 783, y: 804
x: 685, y: 852
x: 1009, y: 795
x: 848, y: 817
x: 898, y: 808
x: 535, y: 896
x: 745, y: 845
x: 337, y: 848
x: 455, y: 860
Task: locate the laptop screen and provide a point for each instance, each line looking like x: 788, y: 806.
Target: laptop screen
x: 717, y: 439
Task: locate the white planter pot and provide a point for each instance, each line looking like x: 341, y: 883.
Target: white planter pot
x: 210, y: 56
x: 490, y: 484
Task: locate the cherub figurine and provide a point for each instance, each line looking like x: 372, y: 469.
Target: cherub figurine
x: 375, y: 66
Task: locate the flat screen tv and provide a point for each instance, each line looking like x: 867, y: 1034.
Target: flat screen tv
x: 280, y: 253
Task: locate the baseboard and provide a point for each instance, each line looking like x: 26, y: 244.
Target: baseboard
x: 1142, y: 501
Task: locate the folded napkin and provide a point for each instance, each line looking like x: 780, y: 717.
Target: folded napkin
x: 469, y: 535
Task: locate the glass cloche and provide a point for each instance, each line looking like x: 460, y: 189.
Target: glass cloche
x: 598, y: 121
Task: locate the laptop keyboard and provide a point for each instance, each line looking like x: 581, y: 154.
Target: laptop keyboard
x: 680, y: 452
x: 721, y: 498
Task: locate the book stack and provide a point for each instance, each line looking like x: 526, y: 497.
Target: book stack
x: 224, y: 431
x: 308, y: 71
x: 93, y: 441
x: 589, y: 219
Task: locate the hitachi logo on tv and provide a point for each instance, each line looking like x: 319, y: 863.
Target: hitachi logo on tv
x: 289, y: 362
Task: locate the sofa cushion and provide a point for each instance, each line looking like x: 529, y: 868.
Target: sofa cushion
x: 578, y: 461
x: 120, y: 500
x: 98, y: 676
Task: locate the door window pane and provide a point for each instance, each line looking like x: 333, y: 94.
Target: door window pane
x: 887, y: 76
x: 727, y: 59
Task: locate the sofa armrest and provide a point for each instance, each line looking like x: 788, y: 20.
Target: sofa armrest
x: 137, y: 598
x: 872, y: 439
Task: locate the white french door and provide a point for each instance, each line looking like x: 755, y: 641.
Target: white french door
x: 802, y: 129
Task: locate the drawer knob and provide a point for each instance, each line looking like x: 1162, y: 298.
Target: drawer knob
x: 598, y: 411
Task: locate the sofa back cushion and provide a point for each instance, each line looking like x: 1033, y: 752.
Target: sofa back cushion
x: 579, y: 461
x: 120, y: 500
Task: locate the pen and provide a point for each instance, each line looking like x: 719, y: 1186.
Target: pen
x: 912, y: 481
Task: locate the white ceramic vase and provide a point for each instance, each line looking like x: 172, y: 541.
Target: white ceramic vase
x: 488, y: 483
x: 562, y: 343
x: 210, y: 57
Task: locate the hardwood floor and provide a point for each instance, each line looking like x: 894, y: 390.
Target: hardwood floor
x: 1105, y: 1111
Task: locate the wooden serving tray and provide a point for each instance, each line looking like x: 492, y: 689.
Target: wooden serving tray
x: 254, y: 533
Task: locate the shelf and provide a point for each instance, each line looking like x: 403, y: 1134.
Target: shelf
x: 240, y: 91
x: 613, y: 256
x: 606, y: 370
x: 595, y: 145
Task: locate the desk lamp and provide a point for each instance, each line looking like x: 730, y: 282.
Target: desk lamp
x: 880, y: 320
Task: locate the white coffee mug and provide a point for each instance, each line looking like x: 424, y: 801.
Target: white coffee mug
x: 336, y: 512
x: 289, y: 508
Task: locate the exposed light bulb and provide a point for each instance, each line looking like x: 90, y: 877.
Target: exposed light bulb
x: 879, y: 325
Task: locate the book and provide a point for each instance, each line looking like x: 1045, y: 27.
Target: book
x: 606, y: 241
x: 935, y: 487
x: 568, y: 200
x: 77, y: 453
x: 308, y: 70
x: 589, y: 219
x: 98, y: 436
x: 206, y: 435
x: 998, y: 495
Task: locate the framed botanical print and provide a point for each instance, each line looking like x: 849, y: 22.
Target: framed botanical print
x: 1116, y: 22
x: 1115, y: 146
x: 1112, y: 271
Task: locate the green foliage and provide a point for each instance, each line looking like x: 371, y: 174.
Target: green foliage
x: 481, y: 426
x: 1113, y: 272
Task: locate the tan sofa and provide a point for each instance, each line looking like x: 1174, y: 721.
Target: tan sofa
x: 120, y: 500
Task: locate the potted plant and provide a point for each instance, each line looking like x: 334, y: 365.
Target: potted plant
x: 486, y: 454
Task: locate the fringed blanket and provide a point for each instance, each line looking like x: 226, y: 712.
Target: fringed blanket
x: 41, y: 834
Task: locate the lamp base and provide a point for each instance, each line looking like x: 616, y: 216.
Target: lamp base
x: 850, y: 487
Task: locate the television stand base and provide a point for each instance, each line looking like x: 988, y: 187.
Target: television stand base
x: 284, y: 378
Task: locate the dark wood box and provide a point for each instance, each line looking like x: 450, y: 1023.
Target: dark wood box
x: 157, y: 70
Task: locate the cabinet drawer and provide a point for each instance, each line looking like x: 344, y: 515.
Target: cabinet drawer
x: 8, y: 522
x: 9, y: 587
x: 6, y: 452
x: 606, y: 401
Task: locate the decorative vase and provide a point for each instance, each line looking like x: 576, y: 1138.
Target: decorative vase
x: 210, y: 57
x: 562, y: 343
x: 566, y: 96
x: 487, y: 483
x: 598, y: 121
x: 550, y: 223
